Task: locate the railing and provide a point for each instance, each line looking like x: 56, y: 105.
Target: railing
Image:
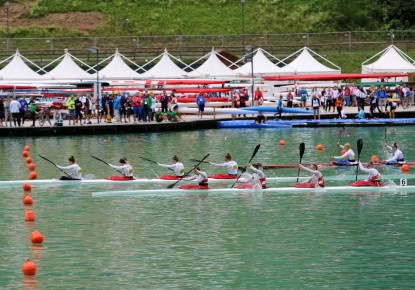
x: 190, y: 47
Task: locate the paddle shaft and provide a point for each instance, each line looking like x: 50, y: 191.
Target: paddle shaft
x: 173, y: 184
x: 244, y: 169
x: 54, y: 165
x: 338, y: 141
x: 103, y: 161
x: 359, y: 149
x: 151, y: 161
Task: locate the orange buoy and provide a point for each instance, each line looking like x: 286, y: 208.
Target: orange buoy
x: 33, y: 175
x: 374, y: 159
x: 29, y: 268
x: 29, y: 160
x: 25, y: 153
x: 405, y: 168
x: 319, y: 147
x: 29, y: 216
x: 282, y: 142
x: 36, y: 237
x: 343, y: 151
x: 27, y: 148
x: 27, y: 199
x: 27, y: 187
x: 31, y: 166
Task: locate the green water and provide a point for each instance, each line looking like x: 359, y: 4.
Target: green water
x: 247, y: 241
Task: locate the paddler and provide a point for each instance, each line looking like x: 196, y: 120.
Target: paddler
x: 315, y: 180
x: 176, y: 166
x: 200, y: 176
x: 124, y: 168
x: 229, y: 164
x: 347, y: 157
x: 373, y: 179
x: 397, y: 157
x: 75, y: 170
x: 257, y: 180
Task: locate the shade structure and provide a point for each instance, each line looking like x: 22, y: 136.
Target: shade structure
x: 117, y: 69
x: 68, y: 69
x: 165, y: 67
x: 391, y: 59
x: 305, y: 63
x: 261, y: 65
x: 18, y: 70
x: 212, y: 67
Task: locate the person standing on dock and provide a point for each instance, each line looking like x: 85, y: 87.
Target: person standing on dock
x: 1, y: 112
x: 15, y: 110
x: 75, y: 170
x: 23, y: 107
x: 70, y: 103
x: 200, y: 101
x: 315, y: 104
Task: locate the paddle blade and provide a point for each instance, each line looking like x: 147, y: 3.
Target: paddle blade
x: 302, y: 149
x: 255, y: 151
x: 359, y: 146
x: 172, y: 185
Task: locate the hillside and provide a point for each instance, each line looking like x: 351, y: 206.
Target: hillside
x: 181, y: 17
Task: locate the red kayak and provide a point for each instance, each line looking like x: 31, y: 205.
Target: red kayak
x: 119, y: 178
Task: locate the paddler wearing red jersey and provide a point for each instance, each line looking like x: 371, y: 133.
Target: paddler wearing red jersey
x: 125, y: 168
x: 229, y: 164
x: 315, y: 179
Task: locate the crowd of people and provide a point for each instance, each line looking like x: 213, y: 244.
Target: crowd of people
x: 335, y: 99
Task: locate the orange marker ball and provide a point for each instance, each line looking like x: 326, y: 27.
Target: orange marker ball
x: 25, y: 153
x: 33, y: 175
x: 27, y: 148
x: 319, y: 147
x: 282, y: 142
x: 405, y: 168
x: 29, y: 268
x: 27, y: 187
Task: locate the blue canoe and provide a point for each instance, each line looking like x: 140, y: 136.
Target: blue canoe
x: 269, y: 109
x: 251, y: 124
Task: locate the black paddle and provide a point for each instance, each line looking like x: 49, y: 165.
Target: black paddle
x: 341, y: 133
x: 99, y: 159
x: 359, y: 149
x: 55, y: 165
x: 244, y: 169
x: 173, y: 184
x: 302, y: 148
x: 150, y: 161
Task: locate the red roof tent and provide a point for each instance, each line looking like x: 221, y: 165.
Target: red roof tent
x: 330, y: 77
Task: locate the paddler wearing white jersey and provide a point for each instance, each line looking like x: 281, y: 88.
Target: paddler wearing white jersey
x: 347, y: 157
x: 75, y: 170
x: 229, y: 164
x: 200, y: 176
x: 397, y: 157
x: 177, y: 167
x: 125, y: 168
x: 258, y: 179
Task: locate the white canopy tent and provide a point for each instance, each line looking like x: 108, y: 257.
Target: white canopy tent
x: 18, y: 70
x: 391, y: 60
x: 165, y: 67
x: 305, y: 63
x: 117, y: 69
x: 68, y: 69
x: 261, y: 65
x: 212, y: 67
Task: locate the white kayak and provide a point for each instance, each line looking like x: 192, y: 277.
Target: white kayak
x: 232, y: 191
x: 35, y: 182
